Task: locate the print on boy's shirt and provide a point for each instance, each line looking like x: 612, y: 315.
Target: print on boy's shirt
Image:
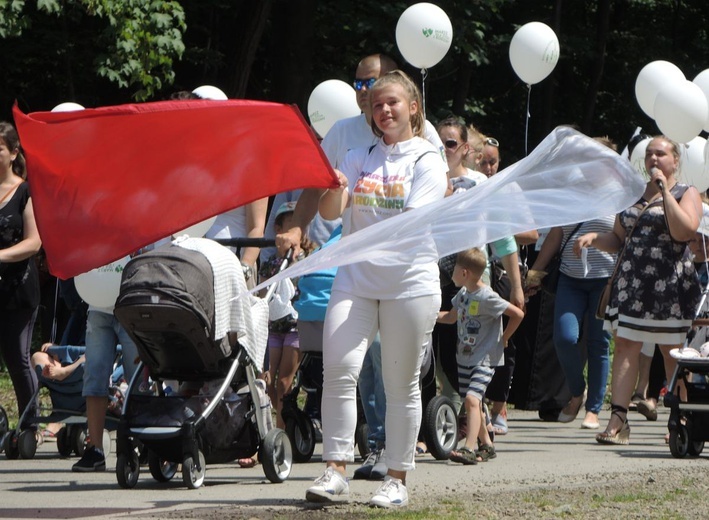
x: 472, y: 328
x: 371, y: 190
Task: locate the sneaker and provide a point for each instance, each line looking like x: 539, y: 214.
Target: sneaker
x: 380, y: 469
x: 92, y: 460
x: 392, y: 493
x: 373, y: 467
x: 330, y: 487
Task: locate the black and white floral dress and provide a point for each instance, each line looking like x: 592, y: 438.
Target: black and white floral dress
x: 656, y: 289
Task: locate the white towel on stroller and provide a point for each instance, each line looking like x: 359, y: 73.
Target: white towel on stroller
x: 248, y: 316
x: 280, y: 306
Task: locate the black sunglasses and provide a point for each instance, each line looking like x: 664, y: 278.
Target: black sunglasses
x: 492, y: 142
x: 452, y: 144
x: 359, y: 84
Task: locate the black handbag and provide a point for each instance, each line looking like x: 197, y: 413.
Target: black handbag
x: 551, y: 280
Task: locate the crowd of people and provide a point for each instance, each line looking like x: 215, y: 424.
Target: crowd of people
x: 378, y: 326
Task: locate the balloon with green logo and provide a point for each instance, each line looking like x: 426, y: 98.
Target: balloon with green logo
x: 424, y: 34
x: 100, y: 287
x: 534, y: 52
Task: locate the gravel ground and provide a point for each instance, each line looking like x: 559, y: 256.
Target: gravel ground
x: 663, y: 494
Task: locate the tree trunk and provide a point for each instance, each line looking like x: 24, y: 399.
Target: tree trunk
x: 596, y: 73
x: 293, y: 51
x: 252, y: 21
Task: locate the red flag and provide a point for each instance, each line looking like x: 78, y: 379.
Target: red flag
x: 110, y: 180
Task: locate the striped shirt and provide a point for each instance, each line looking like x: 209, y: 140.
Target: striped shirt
x: 600, y: 263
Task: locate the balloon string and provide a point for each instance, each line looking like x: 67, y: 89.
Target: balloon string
x: 526, y: 123
x: 424, y: 75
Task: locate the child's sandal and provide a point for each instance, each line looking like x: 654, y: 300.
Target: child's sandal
x: 464, y: 456
x: 486, y: 452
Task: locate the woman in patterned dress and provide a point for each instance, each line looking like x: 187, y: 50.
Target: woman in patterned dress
x: 655, y: 290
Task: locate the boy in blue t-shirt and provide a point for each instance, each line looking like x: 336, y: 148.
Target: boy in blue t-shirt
x: 478, y: 310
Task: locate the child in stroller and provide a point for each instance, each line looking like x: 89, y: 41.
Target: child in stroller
x: 180, y: 303
x: 60, y: 369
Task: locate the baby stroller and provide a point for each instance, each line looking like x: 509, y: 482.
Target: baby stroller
x: 689, y: 421
x: 67, y: 406
x: 169, y: 306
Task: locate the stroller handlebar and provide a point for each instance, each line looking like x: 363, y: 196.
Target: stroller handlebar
x: 246, y: 242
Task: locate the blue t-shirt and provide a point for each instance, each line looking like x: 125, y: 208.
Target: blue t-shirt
x: 315, y: 288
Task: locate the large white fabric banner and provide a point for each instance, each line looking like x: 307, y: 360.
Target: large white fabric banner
x: 568, y: 178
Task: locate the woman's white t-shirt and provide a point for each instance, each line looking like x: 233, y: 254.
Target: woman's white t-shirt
x: 231, y: 224
x: 383, y: 181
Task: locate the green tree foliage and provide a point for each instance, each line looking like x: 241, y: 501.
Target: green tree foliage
x: 136, y: 45
x: 101, y: 52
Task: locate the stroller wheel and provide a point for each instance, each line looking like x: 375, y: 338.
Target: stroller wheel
x: 4, y: 424
x: 362, y: 439
x: 161, y: 470
x: 77, y: 439
x: 696, y: 448
x: 63, y: 446
x: 301, y: 433
x: 276, y: 455
x: 106, y: 443
x: 10, y: 444
x: 127, y: 470
x: 27, y: 444
x: 440, y: 427
x: 679, y: 441
x: 192, y: 475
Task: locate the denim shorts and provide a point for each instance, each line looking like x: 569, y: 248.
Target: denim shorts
x: 103, y: 334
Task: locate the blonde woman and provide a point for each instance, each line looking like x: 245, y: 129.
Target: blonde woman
x: 402, y: 171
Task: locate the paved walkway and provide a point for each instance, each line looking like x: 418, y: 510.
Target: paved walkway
x: 533, y: 454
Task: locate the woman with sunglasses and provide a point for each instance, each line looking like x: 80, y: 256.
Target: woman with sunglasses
x: 490, y: 162
x: 454, y: 136
x: 402, y: 171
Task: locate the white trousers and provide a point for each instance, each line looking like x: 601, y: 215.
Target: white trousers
x: 404, y: 327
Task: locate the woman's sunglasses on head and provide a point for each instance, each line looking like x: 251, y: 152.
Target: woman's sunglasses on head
x: 492, y: 142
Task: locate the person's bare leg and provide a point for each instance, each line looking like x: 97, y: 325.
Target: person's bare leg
x: 96, y: 419
x: 643, y: 375
x: 624, y: 376
x: 288, y: 366
x: 670, y: 366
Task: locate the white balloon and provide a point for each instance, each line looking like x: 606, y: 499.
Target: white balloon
x: 197, y: 230
x: 329, y: 102
x: 68, y: 106
x: 651, y: 79
x: 692, y: 164
x: 680, y: 110
x: 637, y: 158
x: 210, y: 92
x: 534, y: 52
x: 100, y: 287
x: 424, y: 34
x: 702, y: 81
